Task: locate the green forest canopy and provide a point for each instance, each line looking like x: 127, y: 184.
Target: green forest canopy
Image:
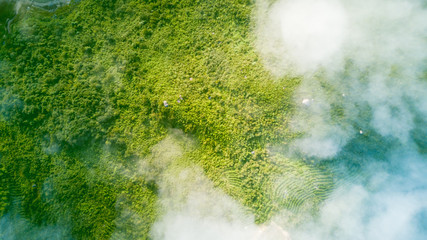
x: 96, y: 84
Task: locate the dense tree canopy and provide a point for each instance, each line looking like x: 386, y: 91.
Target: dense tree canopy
x: 87, y: 89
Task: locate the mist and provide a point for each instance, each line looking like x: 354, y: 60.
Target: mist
x: 361, y: 107
x: 190, y: 206
x: 49, y: 5
x: 368, y: 75
x: 14, y: 226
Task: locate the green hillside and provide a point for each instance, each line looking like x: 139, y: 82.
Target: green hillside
x: 88, y: 91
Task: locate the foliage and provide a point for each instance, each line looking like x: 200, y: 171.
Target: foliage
x: 82, y: 96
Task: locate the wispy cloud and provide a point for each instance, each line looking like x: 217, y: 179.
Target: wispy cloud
x: 362, y: 102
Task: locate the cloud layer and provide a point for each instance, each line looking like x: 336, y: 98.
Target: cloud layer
x: 363, y: 67
x: 362, y: 104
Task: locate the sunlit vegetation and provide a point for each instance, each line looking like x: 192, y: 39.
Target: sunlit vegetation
x: 88, y: 89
